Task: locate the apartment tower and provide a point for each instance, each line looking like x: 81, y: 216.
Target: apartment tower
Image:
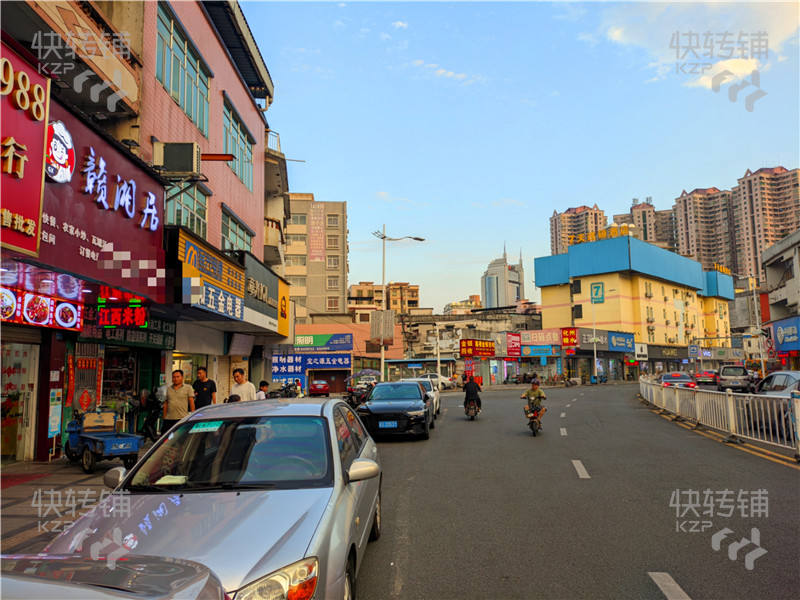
x: 703, y: 224
x: 573, y: 222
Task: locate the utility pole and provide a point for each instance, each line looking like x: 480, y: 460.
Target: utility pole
x: 383, y: 294
x: 438, y: 356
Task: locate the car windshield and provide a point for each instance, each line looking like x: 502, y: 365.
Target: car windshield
x: 319, y: 383
x: 396, y: 391
x: 250, y: 452
x: 426, y: 383
x: 733, y: 372
x: 676, y: 376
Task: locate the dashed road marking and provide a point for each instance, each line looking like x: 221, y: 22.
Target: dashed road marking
x: 668, y: 586
x: 563, y: 432
x: 582, y: 472
x: 563, y: 415
x: 568, y: 405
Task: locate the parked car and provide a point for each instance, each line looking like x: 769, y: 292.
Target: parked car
x: 678, y: 379
x: 73, y: 577
x: 277, y: 499
x: 772, y: 415
x: 779, y: 383
x: 443, y: 382
x: 708, y: 377
x: 735, y: 378
x: 431, y: 389
x: 398, y: 407
x: 319, y: 388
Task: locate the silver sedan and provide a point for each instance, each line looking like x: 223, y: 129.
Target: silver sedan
x: 279, y: 500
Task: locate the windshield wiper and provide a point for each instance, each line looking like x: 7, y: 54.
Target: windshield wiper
x: 231, y: 485
x: 154, y: 488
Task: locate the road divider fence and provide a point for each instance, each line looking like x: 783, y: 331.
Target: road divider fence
x: 770, y: 420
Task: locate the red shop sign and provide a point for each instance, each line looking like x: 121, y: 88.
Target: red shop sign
x: 40, y: 310
x: 102, y: 215
x: 24, y: 106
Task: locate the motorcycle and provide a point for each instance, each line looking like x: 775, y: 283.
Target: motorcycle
x: 534, y: 418
x: 471, y: 409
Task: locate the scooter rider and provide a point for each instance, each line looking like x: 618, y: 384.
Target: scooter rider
x: 471, y: 390
x: 534, y: 397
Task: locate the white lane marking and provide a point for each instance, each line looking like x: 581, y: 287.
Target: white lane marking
x: 568, y: 405
x: 563, y: 432
x: 563, y: 415
x: 582, y: 472
x: 668, y: 586
x: 581, y: 393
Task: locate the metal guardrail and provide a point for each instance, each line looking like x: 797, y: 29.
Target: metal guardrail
x: 767, y: 419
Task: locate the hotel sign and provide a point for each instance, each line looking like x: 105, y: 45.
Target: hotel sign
x: 607, y: 233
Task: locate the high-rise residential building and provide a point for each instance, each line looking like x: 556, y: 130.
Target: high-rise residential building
x: 462, y: 307
x: 366, y: 296
x: 703, y: 226
x: 503, y: 284
x: 316, y: 256
x: 574, y: 222
x: 650, y: 225
x: 765, y: 209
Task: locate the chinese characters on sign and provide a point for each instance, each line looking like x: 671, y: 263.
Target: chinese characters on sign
x: 316, y: 233
x: 513, y: 344
x: 25, y: 99
x: 157, y: 334
x: 469, y: 348
x: 608, y: 233
x: 210, y: 281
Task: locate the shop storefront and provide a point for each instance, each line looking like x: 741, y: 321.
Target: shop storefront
x: 305, y: 368
x: 81, y: 222
x: 786, y: 339
x: 663, y: 359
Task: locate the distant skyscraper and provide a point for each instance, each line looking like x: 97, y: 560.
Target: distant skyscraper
x: 650, y: 225
x: 703, y: 223
x: 502, y: 284
x: 574, y: 221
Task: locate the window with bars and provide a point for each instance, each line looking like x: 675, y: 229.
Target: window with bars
x: 333, y: 262
x: 333, y: 283
x: 332, y: 242
x: 295, y: 260
x: 187, y: 208
x: 180, y: 71
x: 237, y: 142
x: 332, y: 303
x: 234, y: 234
x: 298, y: 219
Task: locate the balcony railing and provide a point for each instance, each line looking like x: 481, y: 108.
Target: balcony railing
x: 274, y: 141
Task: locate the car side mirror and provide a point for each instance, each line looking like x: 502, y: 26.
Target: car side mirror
x: 113, y: 477
x: 428, y: 396
x: 361, y: 469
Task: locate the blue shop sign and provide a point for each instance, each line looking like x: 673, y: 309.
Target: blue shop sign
x: 787, y: 334
x: 538, y: 351
x: 620, y: 342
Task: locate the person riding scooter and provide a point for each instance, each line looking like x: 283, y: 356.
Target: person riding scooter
x: 471, y: 390
x: 534, y: 397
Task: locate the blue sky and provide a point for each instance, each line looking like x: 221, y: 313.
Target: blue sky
x: 469, y: 123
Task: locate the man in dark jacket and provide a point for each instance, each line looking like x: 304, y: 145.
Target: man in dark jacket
x: 471, y: 390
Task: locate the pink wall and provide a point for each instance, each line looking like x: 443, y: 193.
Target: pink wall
x: 163, y: 118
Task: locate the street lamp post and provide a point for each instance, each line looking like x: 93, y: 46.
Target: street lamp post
x: 384, y: 238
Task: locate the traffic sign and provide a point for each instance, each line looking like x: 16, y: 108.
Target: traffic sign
x: 694, y: 350
x: 598, y: 293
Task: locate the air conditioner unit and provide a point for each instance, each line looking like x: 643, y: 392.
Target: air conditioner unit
x: 671, y: 340
x: 179, y: 158
x: 666, y: 298
x: 668, y: 321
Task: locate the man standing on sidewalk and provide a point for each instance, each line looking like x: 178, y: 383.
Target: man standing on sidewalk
x: 242, y: 388
x: 180, y: 400
x: 205, y: 390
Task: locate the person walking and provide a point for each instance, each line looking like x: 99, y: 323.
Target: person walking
x: 180, y: 400
x: 205, y: 390
x: 242, y: 388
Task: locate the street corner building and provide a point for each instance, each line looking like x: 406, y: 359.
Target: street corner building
x: 143, y: 208
x: 639, y: 307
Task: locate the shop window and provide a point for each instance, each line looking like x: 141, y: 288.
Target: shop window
x: 234, y: 234
x: 180, y: 70
x: 237, y: 141
x: 188, y: 208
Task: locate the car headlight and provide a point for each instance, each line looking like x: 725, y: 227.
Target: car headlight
x: 297, y: 581
x: 416, y: 413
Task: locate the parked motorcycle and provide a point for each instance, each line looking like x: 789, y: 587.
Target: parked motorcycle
x: 534, y: 418
x: 471, y: 409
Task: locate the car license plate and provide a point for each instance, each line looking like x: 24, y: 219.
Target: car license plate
x: 387, y: 424
x: 121, y: 446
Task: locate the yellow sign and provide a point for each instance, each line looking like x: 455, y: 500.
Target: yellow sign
x: 603, y: 234
x: 283, y: 308
x: 200, y: 260
x: 721, y: 269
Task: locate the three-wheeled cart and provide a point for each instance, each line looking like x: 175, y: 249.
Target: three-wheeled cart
x: 93, y: 436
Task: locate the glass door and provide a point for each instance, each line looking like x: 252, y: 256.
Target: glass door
x: 20, y: 364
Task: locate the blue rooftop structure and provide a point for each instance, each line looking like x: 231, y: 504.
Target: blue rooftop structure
x: 629, y: 254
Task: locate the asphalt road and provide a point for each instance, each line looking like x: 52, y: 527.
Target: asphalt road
x: 485, y: 510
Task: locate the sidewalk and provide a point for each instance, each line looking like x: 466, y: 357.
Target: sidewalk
x: 40, y: 500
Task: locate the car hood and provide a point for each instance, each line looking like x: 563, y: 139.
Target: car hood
x: 395, y: 406
x: 241, y: 536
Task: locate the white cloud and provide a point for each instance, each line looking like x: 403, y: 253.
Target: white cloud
x: 588, y: 38
x: 447, y: 73
x: 400, y: 25
x: 431, y: 65
x: 385, y: 36
x: 615, y: 34
x: 739, y: 68
x: 418, y: 63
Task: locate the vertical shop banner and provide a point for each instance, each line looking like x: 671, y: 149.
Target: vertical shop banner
x: 24, y: 109
x: 283, y: 308
x: 210, y: 281
x: 316, y: 233
x: 54, y: 418
x: 513, y: 344
x: 70, y: 380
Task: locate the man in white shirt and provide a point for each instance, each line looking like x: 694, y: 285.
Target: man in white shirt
x: 242, y: 388
x: 263, y: 388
